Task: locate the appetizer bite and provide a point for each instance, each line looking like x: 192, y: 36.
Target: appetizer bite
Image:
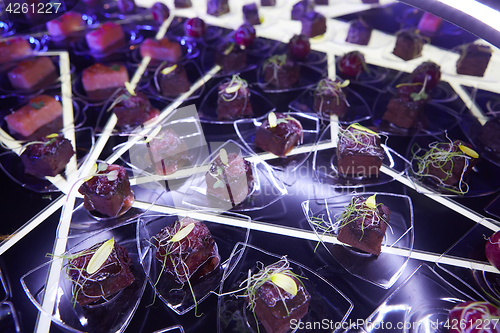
x: 359, y: 32
x: 14, y: 49
x: 301, y: 8
x: 245, y: 35
x: 47, y: 156
x: 162, y: 50
x: 352, y: 64
x: 474, y: 316
x: 65, y: 25
x: 183, y: 3
x: 489, y: 135
x: 233, y: 101
x: 230, y: 56
x: 100, y: 81
x: 281, y: 72
x: 160, y: 12
x: 251, y: 14
x: 363, y: 224
x: 359, y: 151
x: 267, y: 3
x: 133, y: 109
x: 168, y: 152
x: 194, y: 27
x: 278, y: 134
x: 474, y: 59
x: 33, y: 73
x: 406, y: 107
x: 217, y: 7
x: 107, y: 191
x: 100, y: 272
x: 427, y: 72
x: 409, y: 44
x: 174, y: 81
x: 329, y: 98
x: 277, y: 296
x: 230, y: 178
x: 313, y: 24
x: 186, y: 250
x: 299, y: 47
x: 105, y: 38
x: 40, y: 111
x: 446, y: 163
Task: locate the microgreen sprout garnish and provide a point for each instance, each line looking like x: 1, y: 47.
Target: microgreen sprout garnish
x: 100, y: 256
x: 271, y: 118
x: 276, y: 61
x: 233, y: 87
x: 168, y: 70
x: 330, y: 87
x: 229, y: 49
x: 443, y: 156
x: 218, y: 171
x: 129, y: 88
x: 360, y: 139
x: 421, y: 94
x: 37, y: 105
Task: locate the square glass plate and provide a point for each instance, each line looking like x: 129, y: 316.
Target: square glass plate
x: 382, y: 270
x: 265, y: 189
x: 327, y: 302
x: 112, y: 315
x: 176, y: 296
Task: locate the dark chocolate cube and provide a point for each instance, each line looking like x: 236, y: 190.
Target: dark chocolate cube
x: 230, y: 57
x: 403, y: 110
x: 251, y: 14
x: 281, y: 74
x: 313, y: 24
x: 48, y: 158
x: 183, y: 3
x: 113, y: 275
x: 409, y: 44
x: 280, y: 139
x: 268, y: 3
x: 174, y: 83
x: 490, y: 134
x: 359, y: 33
x: 191, y: 258
x: 217, y: 7
x: 301, y: 8
x: 108, y: 197
x: 474, y: 59
x: 275, y: 314
x: 231, y: 107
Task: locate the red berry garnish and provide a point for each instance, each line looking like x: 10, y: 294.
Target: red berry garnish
x: 245, y: 35
x: 299, y: 46
x: 429, y: 69
x: 352, y: 64
x: 160, y: 12
x: 194, y: 27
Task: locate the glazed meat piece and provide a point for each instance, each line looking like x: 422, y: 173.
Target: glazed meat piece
x: 409, y: 44
x: 65, y: 25
x: 230, y: 180
x: 474, y: 59
x: 39, y: 111
x: 429, y: 24
x: 313, y: 24
x: 168, y: 151
x: 191, y: 258
x: 282, y: 137
x: 281, y: 72
x: 163, y: 49
x: 133, y: 110
x: 359, y: 32
x: 251, y: 14
x: 13, y: 49
x: 33, y: 73
x: 330, y: 99
x: 363, y: 225
x: 113, y: 275
x: 233, y: 101
x: 359, y: 152
x: 217, y: 7
x: 47, y: 158
x: 230, y: 56
x: 101, y: 81
x: 174, y: 81
x: 108, y: 36
x: 405, y: 108
x: 109, y: 192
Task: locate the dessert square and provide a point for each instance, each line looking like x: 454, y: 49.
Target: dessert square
x: 108, y: 36
x: 39, y: 111
x: 251, y: 14
x: 13, y: 49
x: 168, y: 152
x: 163, y: 49
x: 174, y: 82
x: 133, y: 110
x: 474, y: 59
x: 359, y: 152
x: 405, y: 108
x: 409, y: 44
x: 301, y: 8
x: 217, y: 7
x: 191, y: 258
x: 230, y: 56
x: 313, y: 24
x: 233, y: 101
x: 329, y: 98
x: 65, y: 25
x: 359, y: 33
x: 281, y: 72
x: 32, y: 73
x: 47, y: 158
x: 108, y: 192
x: 489, y: 135
x: 113, y: 275
x: 101, y: 81
x: 281, y: 137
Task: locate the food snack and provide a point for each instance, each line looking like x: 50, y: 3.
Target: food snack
x: 474, y: 316
x: 217, y: 7
x: 352, y: 64
x: 163, y: 49
x: 191, y: 257
x: 39, y: 111
x: 13, y: 49
x: 406, y: 107
x: 174, y: 81
x: 113, y: 275
x: 363, y: 224
x: 277, y: 296
x: 359, y: 32
x: 447, y: 163
x: 301, y: 8
x: 313, y: 24
x: 409, y: 44
x: 359, y: 151
x: 108, y: 191
x: 47, y: 156
x: 168, y: 152
x: 230, y: 178
x: 101, y: 81
x: 230, y: 56
x: 33, y: 73
x: 133, y: 109
x: 251, y: 14
x: 489, y: 135
x: 108, y: 36
x: 281, y: 72
x: 278, y: 134
x: 474, y: 59
x: 428, y: 72
x: 183, y: 3
x: 329, y: 98
x: 66, y: 24
x: 233, y: 100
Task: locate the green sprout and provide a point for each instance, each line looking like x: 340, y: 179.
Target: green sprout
x: 360, y: 139
x: 233, y: 87
x: 276, y: 62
